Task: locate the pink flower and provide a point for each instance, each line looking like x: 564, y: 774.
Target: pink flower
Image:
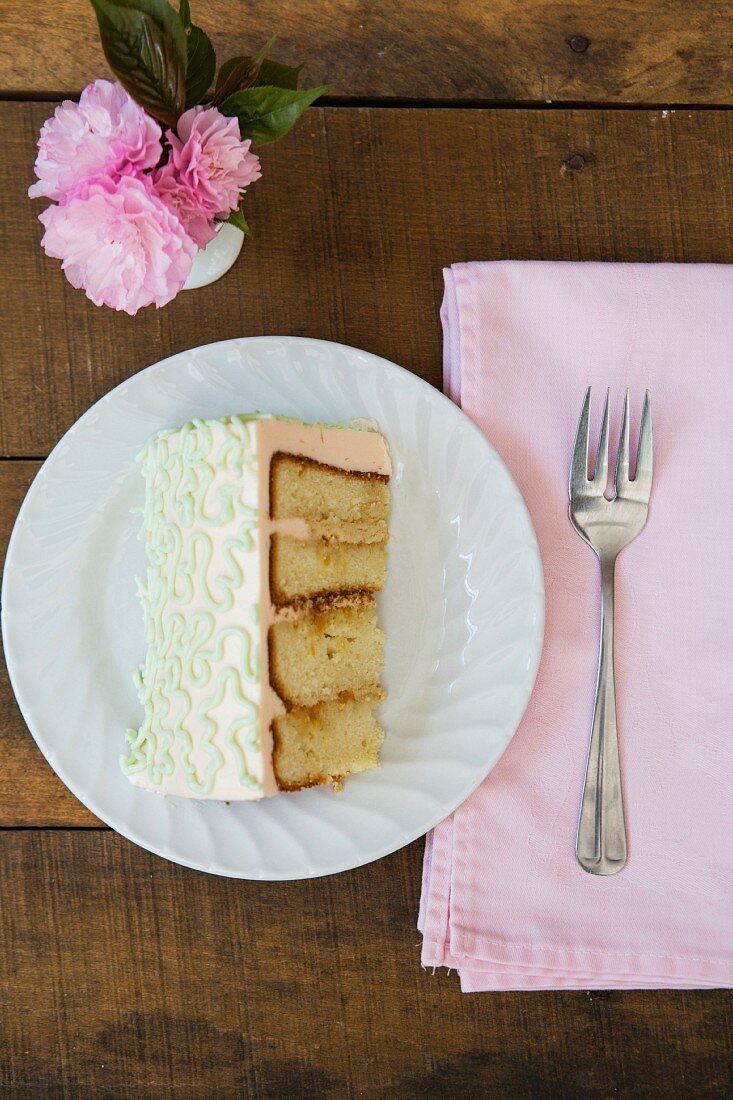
x: 121, y: 243
x: 208, y: 169
x: 199, y: 224
x: 105, y: 134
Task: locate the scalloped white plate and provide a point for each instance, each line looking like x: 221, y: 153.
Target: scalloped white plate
x: 463, y: 609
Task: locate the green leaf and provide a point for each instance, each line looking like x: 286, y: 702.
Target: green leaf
x: 201, y: 65
x: 276, y: 75
x: 239, y: 73
x: 266, y: 114
x: 237, y: 218
x: 235, y: 74
x: 263, y: 52
x: 184, y: 10
x: 145, y: 45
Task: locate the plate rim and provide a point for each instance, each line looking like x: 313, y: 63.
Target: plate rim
x: 8, y: 570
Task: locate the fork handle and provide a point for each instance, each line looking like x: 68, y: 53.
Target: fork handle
x: 601, y: 843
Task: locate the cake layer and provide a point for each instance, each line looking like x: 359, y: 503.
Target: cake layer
x: 302, y: 570
x: 336, y: 504
x: 326, y: 743
x: 322, y: 654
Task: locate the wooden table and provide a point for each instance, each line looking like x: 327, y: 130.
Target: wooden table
x: 454, y: 131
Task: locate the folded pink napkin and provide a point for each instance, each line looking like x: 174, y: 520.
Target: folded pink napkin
x: 504, y: 899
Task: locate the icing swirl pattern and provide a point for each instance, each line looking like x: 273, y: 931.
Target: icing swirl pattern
x: 200, y: 684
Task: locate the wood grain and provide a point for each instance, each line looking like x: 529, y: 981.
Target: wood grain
x: 606, y: 51
x: 30, y: 793
x: 356, y: 214
x: 130, y: 977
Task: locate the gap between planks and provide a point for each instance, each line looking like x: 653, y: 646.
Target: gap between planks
x: 439, y: 104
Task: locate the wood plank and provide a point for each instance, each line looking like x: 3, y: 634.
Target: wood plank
x: 125, y: 976
x: 633, y: 51
x: 357, y: 213
x: 30, y: 792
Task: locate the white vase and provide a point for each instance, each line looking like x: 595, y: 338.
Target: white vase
x: 216, y: 258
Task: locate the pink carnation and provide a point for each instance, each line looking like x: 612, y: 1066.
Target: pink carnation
x: 208, y: 169
x: 199, y: 224
x: 121, y: 243
x: 105, y: 134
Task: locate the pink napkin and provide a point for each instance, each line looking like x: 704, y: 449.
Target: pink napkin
x: 504, y: 899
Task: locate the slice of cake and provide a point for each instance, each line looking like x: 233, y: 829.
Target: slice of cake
x: 266, y: 541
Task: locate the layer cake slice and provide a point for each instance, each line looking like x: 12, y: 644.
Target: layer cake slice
x: 266, y: 542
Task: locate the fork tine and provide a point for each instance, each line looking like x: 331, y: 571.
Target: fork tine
x: 643, y: 478
x: 579, y: 465
x: 600, y: 473
x: 622, y: 459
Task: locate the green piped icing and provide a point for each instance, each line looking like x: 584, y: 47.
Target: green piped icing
x: 185, y: 597
x: 246, y: 727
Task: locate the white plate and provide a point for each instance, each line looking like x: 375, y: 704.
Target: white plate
x: 463, y: 609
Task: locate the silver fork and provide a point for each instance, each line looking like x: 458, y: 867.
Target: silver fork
x: 608, y: 526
